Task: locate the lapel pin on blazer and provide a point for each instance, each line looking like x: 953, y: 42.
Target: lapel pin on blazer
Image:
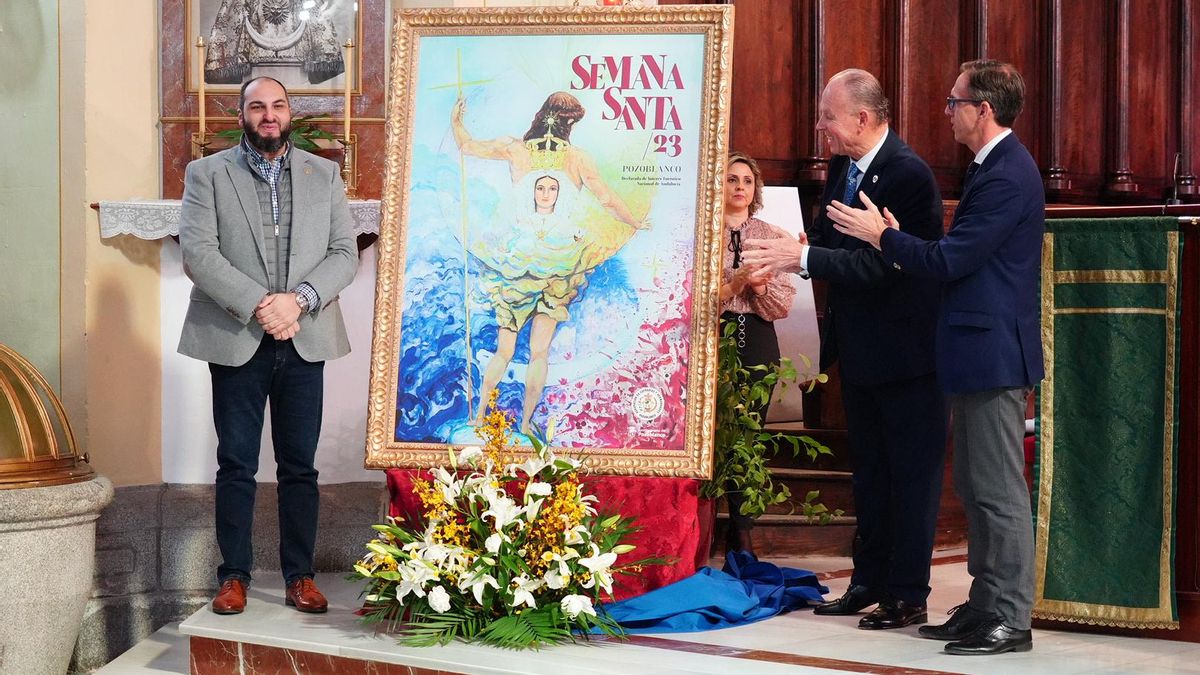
x: 307, y: 170
x: 875, y: 178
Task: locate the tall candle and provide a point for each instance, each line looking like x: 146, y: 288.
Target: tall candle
x: 200, y: 94
x: 349, y: 48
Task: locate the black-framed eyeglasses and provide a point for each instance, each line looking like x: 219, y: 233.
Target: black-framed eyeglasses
x: 735, y: 247
x: 952, y: 101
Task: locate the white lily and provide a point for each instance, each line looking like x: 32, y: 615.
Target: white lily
x: 477, y: 584
x: 522, y: 590
x: 439, y: 599
x: 574, y: 535
x: 414, y: 574
x: 538, y: 489
x: 574, y: 605
x: 503, y: 511
x: 598, y: 564
x: 531, y: 467
x: 555, y: 578
x: 492, y: 543
x: 535, y: 494
x: 450, y: 486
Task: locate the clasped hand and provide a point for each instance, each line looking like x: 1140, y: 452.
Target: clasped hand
x: 753, y: 278
x: 279, y: 315
x: 781, y: 254
x: 867, y: 224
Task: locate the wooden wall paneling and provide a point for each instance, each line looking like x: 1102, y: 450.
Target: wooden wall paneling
x: 768, y: 77
x: 1153, y: 103
x: 1189, y: 88
x: 1083, y: 88
x: 1014, y: 31
x: 1187, y: 508
x: 810, y: 25
x: 928, y: 51
x: 1055, y: 173
x: 856, y: 32
x: 851, y: 34
x: 1119, y: 179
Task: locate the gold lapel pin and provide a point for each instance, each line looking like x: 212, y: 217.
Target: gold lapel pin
x: 307, y: 170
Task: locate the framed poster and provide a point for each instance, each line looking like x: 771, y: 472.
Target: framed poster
x: 550, y: 233
x: 298, y: 42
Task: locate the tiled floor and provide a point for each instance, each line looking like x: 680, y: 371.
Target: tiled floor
x: 796, y: 643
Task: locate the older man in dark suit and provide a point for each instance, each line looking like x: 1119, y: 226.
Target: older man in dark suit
x: 989, y: 346
x: 879, y: 325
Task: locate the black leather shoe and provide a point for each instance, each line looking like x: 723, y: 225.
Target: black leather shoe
x: 963, y: 621
x: 993, y: 638
x: 855, y: 600
x: 893, y: 614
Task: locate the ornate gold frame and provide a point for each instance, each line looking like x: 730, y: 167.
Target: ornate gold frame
x: 408, y: 27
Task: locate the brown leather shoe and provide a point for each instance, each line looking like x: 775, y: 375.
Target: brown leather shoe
x: 231, y: 599
x: 304, y: 596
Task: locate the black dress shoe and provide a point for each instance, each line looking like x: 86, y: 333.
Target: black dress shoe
x: 993, y: 638
x: 856, y: 599
x: 963, y: 621
x: 893, y: 614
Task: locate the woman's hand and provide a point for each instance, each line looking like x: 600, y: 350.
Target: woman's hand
x: 743, y: 278
x: 758, y: 279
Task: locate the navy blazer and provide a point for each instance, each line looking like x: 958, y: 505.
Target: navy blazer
x: 989, y: 326
x: 879, y: 323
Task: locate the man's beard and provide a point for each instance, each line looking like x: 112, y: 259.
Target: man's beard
x: 267, y: 144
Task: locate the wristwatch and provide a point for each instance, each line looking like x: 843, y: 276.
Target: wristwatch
x: 302, y: 301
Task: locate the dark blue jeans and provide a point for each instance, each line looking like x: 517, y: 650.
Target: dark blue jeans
x: 294, y: 387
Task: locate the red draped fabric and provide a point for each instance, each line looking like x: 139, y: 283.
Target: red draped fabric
x: 666, y: 509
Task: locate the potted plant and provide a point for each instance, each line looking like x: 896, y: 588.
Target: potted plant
x: 743, y: 446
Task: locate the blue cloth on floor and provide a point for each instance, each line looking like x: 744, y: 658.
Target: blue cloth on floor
x: 745, y: 591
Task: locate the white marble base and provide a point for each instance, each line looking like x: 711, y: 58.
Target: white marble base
x: 796, y: 643
x: 267, y: 621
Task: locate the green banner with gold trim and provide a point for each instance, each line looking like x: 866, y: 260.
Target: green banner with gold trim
x: 1108, y: 422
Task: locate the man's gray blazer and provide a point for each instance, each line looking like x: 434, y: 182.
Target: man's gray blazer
x: 221, y: 235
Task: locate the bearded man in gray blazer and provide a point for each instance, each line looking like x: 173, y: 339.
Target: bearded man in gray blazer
x: 267, y: 241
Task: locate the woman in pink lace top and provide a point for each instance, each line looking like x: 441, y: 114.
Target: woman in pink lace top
x: 750, y: 297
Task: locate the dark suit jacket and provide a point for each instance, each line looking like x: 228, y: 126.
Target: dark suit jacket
x: 879, y: 323
x: 989, y: 326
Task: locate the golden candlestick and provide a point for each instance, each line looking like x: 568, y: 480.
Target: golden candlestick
x: 199, y: 96
x: 348, y: 148
x: 349, y: 177
x: 348, y: 50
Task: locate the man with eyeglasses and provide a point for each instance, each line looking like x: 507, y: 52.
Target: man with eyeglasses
x: 879, y: 326
x: 989, y: 346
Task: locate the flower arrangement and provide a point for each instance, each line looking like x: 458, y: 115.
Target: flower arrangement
x: 511, y: 555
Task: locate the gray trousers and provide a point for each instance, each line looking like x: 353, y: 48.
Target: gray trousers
x: 989, y: 466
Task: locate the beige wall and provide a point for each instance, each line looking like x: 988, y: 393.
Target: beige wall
x: 111, y: 353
